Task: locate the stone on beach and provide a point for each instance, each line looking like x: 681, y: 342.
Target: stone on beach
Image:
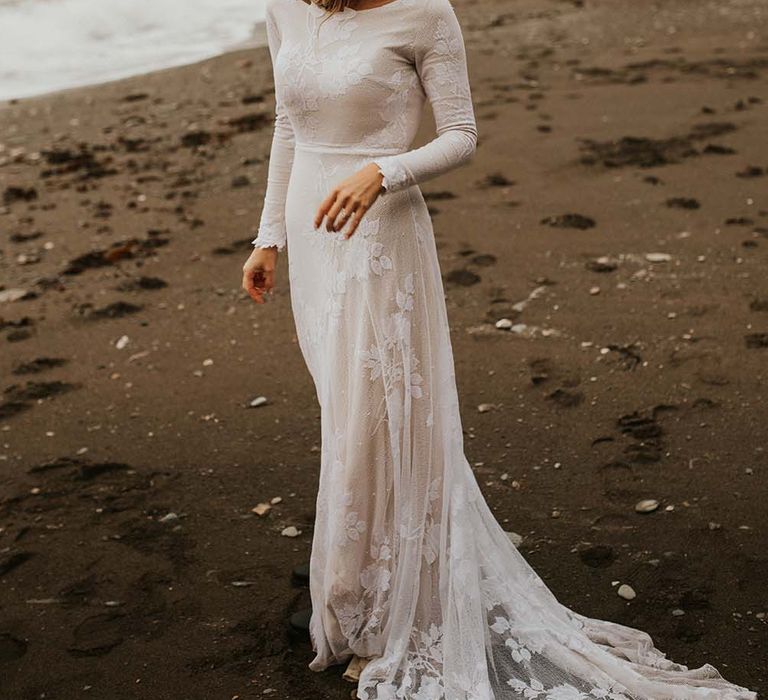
x: 658, y: 257
x: 626, y: 591
x: 646, y: 506
x: 14, y: 294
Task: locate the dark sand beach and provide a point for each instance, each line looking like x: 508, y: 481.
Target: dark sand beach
x: 605, y: 264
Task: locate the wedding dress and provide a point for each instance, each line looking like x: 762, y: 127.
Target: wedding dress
x: 409, y: 567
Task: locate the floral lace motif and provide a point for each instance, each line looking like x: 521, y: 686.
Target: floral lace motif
x: 409, y: 566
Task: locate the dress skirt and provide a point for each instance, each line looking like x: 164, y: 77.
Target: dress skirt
x: 409, y: 567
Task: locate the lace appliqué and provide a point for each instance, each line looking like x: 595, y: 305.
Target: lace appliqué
x: 361, y: 616
x: 392, y: 359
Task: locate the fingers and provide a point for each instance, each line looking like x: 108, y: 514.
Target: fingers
x: 325, y: 205
x: 347, y: 213
x: 348, y: 202
x: 357, y: 216
x: 256, y: 293
x: 256, y: 282
x: 269, y: 280
x: 342, y: 201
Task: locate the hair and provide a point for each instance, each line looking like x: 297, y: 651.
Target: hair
x: 331, y: 6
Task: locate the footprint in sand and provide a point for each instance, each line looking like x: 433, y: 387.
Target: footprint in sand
x: 39, y: 364
x: 683, y: 203
x: 11, y: 648
x: 12, y: 561
x: 462, y: 277
x: 98, y: 635
x: 577, y: 221
x: 756, y: 341
x: 142, y: 283
x: 19, y: 399
x: 117, y: 309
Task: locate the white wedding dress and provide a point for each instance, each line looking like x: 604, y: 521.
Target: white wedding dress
x: 409, y: 567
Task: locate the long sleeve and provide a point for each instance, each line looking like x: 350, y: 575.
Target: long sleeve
x: 440, y: 60
x: 272, y: 223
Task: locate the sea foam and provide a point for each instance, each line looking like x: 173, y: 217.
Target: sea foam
x: 48, y: 45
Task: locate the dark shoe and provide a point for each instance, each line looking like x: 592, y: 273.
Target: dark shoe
x: 300, y: 574
x: 298, y: 624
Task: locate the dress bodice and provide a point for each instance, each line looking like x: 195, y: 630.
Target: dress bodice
x: 347, y: 79
x: 356, y: 81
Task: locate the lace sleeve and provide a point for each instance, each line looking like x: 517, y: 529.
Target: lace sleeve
x: 272, y: 224
x: 440, y: 59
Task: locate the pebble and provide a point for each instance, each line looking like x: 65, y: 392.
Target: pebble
x: 258, y: 401
x: 603, y: 264
x: 646, y: 506
x: 514, y: 538
x: 485, y: 407
x: 594, y: 290
x: 291, y: 531
x: 522, y: 329
x: 12, y: 294
x: 169, y: 517
x: 535, y: 294
x: 677, y: 612
x: 627, y: 592
x: 658, y: 257
x: 27, y: 259
x: 261, y: 509
x: 122, y: 341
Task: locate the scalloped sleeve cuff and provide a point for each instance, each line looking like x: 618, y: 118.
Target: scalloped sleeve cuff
x: 396, y: 175
x: 269, y: 237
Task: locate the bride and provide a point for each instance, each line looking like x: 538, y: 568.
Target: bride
x: 412, y: 580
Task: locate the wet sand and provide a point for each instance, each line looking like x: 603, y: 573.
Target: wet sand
x: 605, y: 261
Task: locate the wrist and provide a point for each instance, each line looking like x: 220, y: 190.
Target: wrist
x: 266, y: 248
x: 379, y: 177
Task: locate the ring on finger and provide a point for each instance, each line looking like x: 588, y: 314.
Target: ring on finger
x: 343, y: 215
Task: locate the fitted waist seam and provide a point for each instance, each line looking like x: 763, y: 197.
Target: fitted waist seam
x: 344, y: 149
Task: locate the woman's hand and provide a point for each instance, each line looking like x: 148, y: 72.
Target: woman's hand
x: 259, y: 273
x: 350, y: 199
